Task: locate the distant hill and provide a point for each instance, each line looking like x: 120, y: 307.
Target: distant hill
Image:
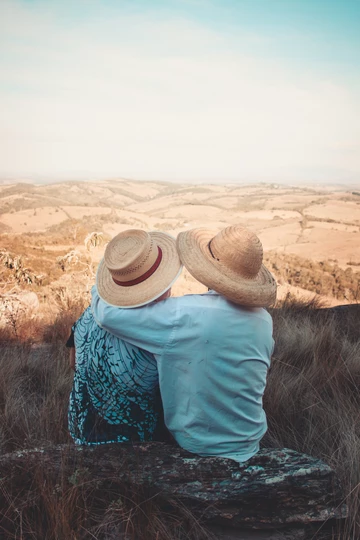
x: 311, y: 237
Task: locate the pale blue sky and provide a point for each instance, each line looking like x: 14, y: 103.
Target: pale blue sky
x: 180, y: 89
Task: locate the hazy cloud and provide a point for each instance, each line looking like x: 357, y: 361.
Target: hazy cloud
x: 150, y: 97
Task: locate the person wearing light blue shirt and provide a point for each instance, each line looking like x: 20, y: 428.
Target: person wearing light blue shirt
x: 212, y: 350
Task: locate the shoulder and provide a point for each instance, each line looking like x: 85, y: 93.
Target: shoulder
x: 258, y: 319
x: 193, y: 302
x: 213, y: 300
x: 196, y: 305
x: 260, y: 313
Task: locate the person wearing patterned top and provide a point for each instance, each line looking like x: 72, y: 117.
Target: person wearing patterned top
x: 115, y: 394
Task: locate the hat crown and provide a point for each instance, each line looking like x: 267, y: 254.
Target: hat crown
x: 238, y: 249
x: 130, y: 254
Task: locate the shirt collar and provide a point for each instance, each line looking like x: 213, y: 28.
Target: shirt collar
x: 211, y: 291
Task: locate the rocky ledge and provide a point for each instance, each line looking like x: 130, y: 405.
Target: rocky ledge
x: 276, y: 488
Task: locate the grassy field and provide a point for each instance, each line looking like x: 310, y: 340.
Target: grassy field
x: 312, y: 402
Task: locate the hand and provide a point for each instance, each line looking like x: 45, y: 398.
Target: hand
x: 72, y: 358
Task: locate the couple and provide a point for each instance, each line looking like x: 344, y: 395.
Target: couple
x: 208, y: 354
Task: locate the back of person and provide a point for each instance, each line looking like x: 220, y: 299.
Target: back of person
x: 213, y: 375
x: 212, y: 357
x: 115, y: 394
x: 213, y: 351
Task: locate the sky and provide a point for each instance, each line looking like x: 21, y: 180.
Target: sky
x: 180, y: 90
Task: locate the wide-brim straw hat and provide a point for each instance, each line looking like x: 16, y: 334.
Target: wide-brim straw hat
x: 137, y: 268
x: 229, y: 263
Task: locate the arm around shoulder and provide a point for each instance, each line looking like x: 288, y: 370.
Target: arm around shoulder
x: 148, y: 327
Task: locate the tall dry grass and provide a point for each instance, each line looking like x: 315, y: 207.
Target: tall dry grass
x: 312, y: 402
x: 35, y: 384
x: 312, y: 397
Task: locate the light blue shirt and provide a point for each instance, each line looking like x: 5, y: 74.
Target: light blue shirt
x: 213, y: 357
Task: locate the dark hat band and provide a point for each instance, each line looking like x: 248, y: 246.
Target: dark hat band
x: 145, y: 276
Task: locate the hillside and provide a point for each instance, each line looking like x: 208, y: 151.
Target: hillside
x: 311, y: 237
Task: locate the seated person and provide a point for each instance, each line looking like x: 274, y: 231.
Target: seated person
x: 115, y: 394
x: 212, y: 350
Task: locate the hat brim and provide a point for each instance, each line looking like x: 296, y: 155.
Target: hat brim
x: 152, y: 288
x: 193, y: 248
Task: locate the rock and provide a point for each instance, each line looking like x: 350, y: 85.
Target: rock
x: 30, y: 300
x: 276, y: 488
x: 293, y: 533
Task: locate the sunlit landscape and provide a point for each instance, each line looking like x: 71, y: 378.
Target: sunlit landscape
x: 53, y: 236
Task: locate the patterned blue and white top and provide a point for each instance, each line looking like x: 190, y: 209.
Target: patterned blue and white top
x: 115, y: 394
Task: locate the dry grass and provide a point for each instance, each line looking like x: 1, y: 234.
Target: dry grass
x: 312, y: 398
x: 312, y: 402
x: 323, y: 278
x: 76, y: 508
x: 34, y: 391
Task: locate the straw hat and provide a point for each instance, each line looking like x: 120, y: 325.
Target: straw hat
x: 230, y: 263
x: 137, y: 268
